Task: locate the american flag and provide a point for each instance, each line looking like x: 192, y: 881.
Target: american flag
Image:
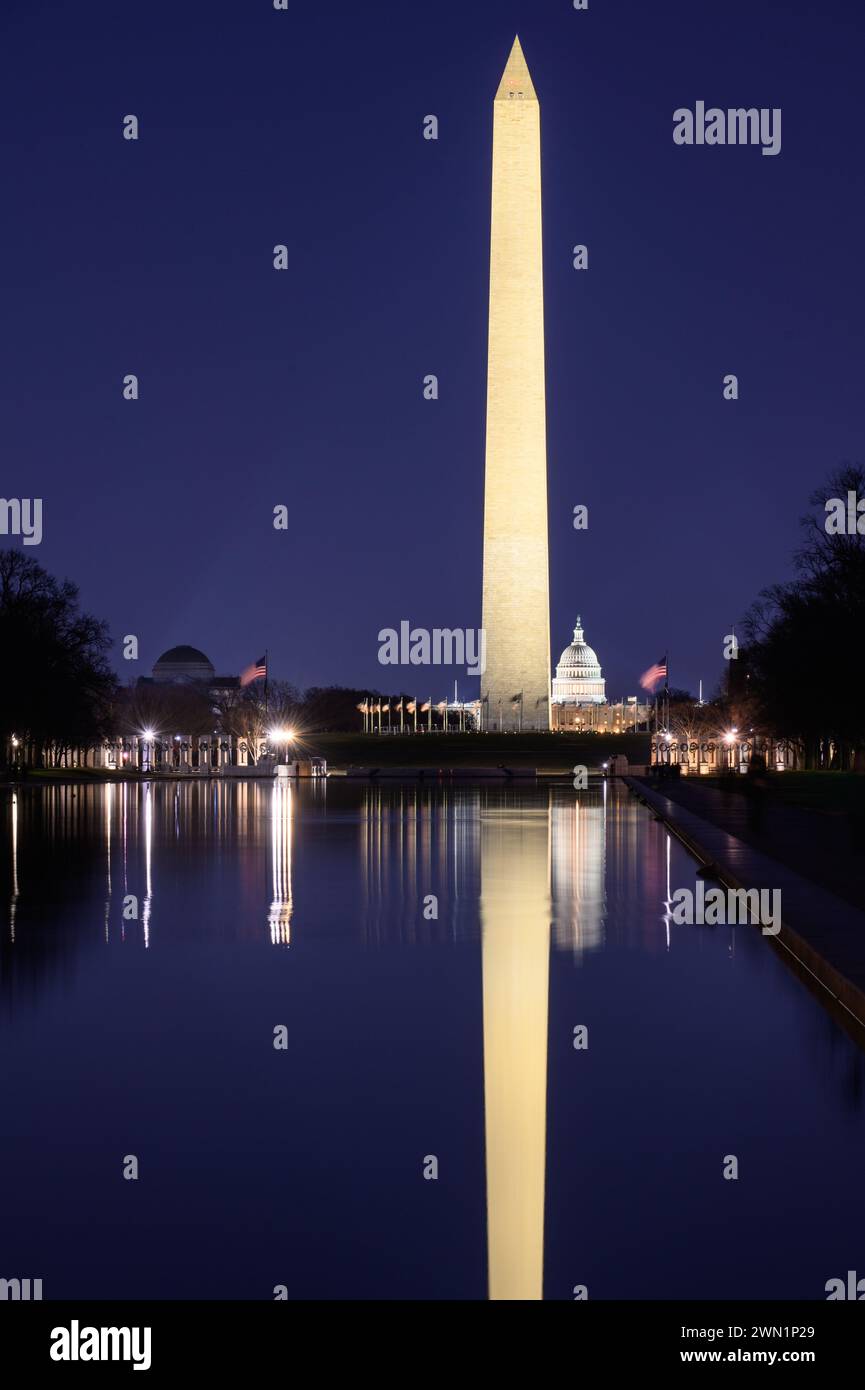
x: 255, y: 672
x: 655, y: 674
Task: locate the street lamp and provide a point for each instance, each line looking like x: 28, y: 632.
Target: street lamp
x: 730, y: 739
x: 281, y: 737
x: 147, y: 737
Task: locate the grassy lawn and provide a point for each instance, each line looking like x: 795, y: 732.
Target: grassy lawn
x: 551, y: 752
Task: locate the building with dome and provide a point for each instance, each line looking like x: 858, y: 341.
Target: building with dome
x: 183, y: 664
x: 578, y: 679
x: 186, y: 665
x: 170, y: 749
x: 579, y: 699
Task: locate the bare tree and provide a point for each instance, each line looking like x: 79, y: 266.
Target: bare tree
x: 241, y: 715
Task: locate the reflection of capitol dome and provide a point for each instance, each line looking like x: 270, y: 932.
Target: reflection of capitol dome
x: 183, y: 664
x: 578, y: 674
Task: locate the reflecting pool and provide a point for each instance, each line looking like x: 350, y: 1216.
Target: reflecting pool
x: 402, y: 1041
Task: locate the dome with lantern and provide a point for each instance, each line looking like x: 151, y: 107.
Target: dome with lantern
x: 578, y: 679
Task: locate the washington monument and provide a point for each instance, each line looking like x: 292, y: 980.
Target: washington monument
x: 515, y: 689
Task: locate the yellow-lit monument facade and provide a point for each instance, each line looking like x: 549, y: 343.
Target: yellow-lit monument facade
x: 515, y: 688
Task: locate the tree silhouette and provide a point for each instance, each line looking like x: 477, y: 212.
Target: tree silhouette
x: 804, y: 638
x: 58, y: 685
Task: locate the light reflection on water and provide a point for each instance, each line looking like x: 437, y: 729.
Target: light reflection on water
x: 279, y: 917
x: 274, y: 891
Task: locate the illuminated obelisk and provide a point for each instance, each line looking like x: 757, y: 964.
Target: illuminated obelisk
x: 515, y: 688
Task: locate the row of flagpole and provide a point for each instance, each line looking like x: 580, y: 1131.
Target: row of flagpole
x: 374, y: 708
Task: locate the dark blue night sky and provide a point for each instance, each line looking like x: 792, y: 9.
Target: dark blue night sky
x: 304, y: 387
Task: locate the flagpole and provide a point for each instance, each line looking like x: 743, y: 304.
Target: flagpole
x: 667, y: 690
x: 265, y: 682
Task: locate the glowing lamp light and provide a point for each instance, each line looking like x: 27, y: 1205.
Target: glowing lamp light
x: 729, y: 738
x: 281, y: 735
x: 149, y: 735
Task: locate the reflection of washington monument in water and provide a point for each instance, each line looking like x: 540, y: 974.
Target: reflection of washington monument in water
x: 538, y: 865
x: 515, y: 926
x: 535, y: 858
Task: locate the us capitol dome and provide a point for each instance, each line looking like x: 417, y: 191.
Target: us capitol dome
x: 578, y: 679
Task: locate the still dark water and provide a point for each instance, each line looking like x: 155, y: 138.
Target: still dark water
x: 409, y: 1036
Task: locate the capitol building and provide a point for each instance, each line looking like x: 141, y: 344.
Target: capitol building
x: 578, y: 679
x: 579, y: 701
